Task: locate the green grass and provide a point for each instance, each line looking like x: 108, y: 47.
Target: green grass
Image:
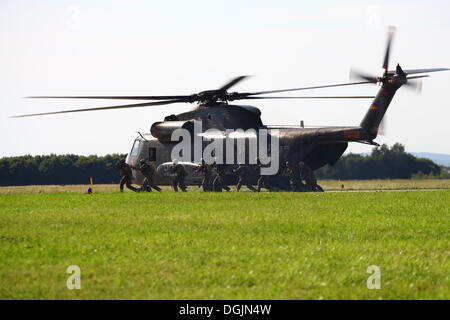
x: 328, y: 185
x: 225, y: 246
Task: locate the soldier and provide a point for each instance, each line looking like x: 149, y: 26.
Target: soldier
x: 206, y: 171
x: 219, y: 180
x: 125, y: 171
x: 244, y: 173
x: 308, y: 176
x: 180, y: 175
x: 148, y: 171
x: 294, y: 177
x: 263, y: 181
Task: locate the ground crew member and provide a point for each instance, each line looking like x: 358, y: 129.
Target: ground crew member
x: 180, y: 175
x: 148, y: 171
x: 244, y: 173
x: 219, y: 180
x: 206, y: 171
x: 263, y: 181
x: 294, y: 177
x: 308, y: 176
x: 125, y: 171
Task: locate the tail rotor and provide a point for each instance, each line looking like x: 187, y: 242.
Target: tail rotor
x: 398, y: 76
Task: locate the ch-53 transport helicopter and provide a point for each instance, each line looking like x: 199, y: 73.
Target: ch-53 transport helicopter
x: 315, y: 146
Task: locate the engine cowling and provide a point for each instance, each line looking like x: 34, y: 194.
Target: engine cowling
x: 163, y: 130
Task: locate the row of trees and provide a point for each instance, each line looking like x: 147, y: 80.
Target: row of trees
x: 382, y: 163
x: 57, y: 169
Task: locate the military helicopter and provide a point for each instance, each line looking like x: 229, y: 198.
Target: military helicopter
x: 315, y: 146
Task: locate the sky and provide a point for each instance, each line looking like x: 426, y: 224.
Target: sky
x: 134, y: 47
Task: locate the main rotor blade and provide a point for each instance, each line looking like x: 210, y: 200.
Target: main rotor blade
x: 417, y: 77
x: 388, y: 48
x: 305, y: 88
x: 312, y: 97
x: 232, y: 83
x: 136, y: 105
x: 112, y: 97
x: 413, y: 71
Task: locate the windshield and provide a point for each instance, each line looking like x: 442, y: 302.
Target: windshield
x: 135, y: 149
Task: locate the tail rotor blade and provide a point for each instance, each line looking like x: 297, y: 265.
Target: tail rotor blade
x: 357, y: 75
x: 388, y: 48
x: 415, y: 85
x: 383, y: 128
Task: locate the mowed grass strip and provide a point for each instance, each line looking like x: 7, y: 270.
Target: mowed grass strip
x: 226, y: 245
x: 327, y: 185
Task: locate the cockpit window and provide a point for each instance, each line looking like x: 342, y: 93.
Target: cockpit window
x: 135, y: 150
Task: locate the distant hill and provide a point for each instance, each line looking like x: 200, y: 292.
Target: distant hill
x: 439, y: 158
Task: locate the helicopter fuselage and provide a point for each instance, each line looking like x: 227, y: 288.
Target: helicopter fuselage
x: 316, y: 146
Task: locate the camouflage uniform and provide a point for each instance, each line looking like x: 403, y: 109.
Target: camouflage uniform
x: 264, y: 180
x: 308, y: 176
x: 125, y: 171
x: 294, y: 177
x: 219, y: 180
x: 148, y: 171
x: 244, y: 177
x: 180, y: 175
x: 205, y: 170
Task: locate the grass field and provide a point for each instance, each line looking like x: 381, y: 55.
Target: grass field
x: 328, y: 185
x: 225, y: 246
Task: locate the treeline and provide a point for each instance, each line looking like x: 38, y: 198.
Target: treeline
x: 382, y: 163
x: 58, y: 169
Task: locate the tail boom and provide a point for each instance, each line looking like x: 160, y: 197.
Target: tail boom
x: 379, y: 106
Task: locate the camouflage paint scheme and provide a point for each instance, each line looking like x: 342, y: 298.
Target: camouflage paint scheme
x: 314, y: 146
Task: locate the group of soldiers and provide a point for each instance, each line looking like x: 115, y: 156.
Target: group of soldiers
x: 301, y: 177
x: 214, y: 177
x: 211, y: 181
x: 147, y: 170
x: 245, y: 177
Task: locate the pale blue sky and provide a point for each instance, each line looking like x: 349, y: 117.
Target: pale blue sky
x: 177, y: 47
